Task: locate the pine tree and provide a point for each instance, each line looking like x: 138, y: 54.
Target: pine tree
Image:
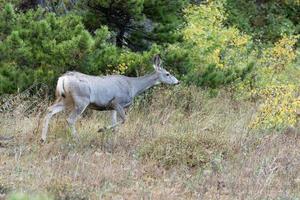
x: 137, y: 23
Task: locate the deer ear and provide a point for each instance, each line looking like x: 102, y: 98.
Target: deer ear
x: 157, y: 62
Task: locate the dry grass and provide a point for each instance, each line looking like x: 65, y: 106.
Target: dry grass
x: 180, y: 144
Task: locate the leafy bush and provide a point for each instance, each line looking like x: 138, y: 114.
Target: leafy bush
x: 38, y: 46
x: 274, y: 82
x: 276, y: 86
x: 279, y: 108
x: 266, y: 21
x: 217, y: 54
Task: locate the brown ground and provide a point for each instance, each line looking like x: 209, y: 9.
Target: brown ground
x: 179, y: 145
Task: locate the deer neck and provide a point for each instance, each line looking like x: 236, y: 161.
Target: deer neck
x: 140, y: 84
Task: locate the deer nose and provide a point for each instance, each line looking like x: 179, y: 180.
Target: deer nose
x: 178, y: 82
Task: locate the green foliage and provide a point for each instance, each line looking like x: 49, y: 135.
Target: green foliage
x: 14, y: 79
x: 264, y: 20
x: 110, y: 59
x: 38, y: 46
x: 274, y: 83
x: 42, y: 42
x: 136, y: 23
x: 215, y: 54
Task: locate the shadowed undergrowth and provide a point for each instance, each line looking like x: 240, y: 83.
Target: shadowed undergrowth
x: 191, y: 146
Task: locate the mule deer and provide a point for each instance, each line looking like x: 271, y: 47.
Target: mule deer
x: 114, y: 92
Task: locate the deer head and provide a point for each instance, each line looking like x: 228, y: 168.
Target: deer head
x: 164, y: 75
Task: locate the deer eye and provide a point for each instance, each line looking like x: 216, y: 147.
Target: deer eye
x: 167, y: 74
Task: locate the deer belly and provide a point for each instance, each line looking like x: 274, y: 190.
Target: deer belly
x: 99, y: 107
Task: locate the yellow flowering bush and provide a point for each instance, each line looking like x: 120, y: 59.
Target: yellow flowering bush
x: 279, y: 107
x: 292, y: 2
x: 213, y: 42
x: 275, y: 83
x: 219, y: 53
x: 119, y: 69
x: 276, y: 86
x: 281, y: 55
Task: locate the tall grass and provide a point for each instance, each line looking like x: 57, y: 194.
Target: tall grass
x: 177, y: 143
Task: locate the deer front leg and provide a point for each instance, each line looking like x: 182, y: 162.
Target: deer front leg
x: 118, y: 110
x: 114, y: 118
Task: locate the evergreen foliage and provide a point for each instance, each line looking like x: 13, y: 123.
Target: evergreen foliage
x: 136, y: 23
x: 40, y: 46
x: 266, y: 21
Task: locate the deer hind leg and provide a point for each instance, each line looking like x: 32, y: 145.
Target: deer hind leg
x: 52, y: 110
x: 119, y: 109
x: 77, y: 111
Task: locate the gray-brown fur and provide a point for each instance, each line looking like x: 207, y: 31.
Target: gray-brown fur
x: 114, y: 92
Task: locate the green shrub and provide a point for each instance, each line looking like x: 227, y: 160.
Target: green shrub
x: 38, y: 46
x: 266, y: 21
x: 215, y: 54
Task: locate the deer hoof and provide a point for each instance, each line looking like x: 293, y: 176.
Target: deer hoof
x: 42, y: 141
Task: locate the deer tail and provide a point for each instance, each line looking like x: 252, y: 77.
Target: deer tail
x: 60, y: 88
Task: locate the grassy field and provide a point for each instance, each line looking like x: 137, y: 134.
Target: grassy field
x: 178, y: 144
